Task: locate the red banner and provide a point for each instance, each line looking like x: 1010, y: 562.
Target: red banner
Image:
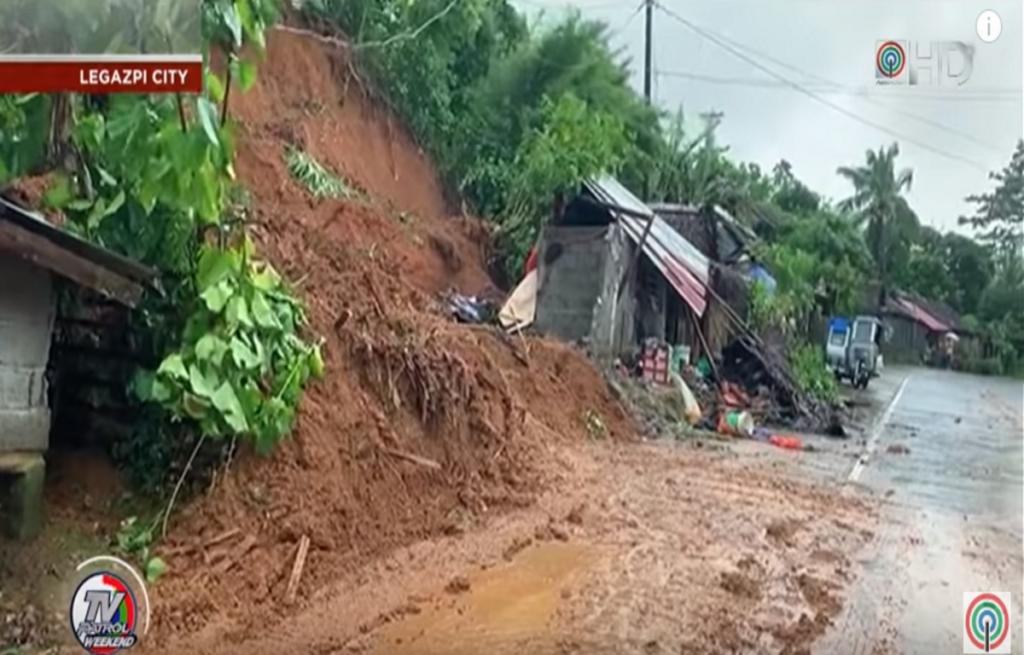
x: 100, y: 76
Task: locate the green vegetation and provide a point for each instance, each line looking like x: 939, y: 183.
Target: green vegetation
x: 224, y: 336
x: 811, y: 376
x: 318, y: 180
x: 517, y: 114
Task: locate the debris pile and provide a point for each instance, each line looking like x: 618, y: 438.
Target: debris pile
x: 738, y: 395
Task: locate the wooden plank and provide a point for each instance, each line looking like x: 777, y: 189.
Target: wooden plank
x: 18, y: 462
x: 42, y: 252
x: 415, y: 459
x: 300, y: 563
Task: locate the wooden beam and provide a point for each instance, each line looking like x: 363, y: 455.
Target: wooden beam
x: 44, y: 253
x: 635, y: 260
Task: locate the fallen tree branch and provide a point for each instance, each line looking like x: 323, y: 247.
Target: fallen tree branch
x: 300, y: 562
x: 341, y: 43
x: 247, y: 544
x: 415, y: 459
x: 177, y: 487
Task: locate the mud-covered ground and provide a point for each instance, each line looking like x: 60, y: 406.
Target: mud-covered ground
x: 637, y: 548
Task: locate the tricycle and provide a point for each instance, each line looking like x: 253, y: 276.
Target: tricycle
x: 852, y: 349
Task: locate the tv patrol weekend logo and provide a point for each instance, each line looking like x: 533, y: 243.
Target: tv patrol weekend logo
x: 986, y: 622
x: 110, y: 606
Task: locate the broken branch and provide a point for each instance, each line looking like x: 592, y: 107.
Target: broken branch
x: 415, y: 459
x: 297, y: 566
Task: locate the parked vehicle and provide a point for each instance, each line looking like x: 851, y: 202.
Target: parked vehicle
x: 853, y: 349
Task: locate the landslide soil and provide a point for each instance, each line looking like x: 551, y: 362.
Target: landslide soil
x: 632, y: 548
x: 421, y: 426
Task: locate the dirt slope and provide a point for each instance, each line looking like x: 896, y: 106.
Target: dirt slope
x: 405, y: 387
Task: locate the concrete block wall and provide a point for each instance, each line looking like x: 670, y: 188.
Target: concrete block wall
x: 612, y: 326
x: 27, y: 309
x: 571, y: 270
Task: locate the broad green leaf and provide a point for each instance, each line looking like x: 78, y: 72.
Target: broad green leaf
x: 251, y: 399
x: 238, y: 312
x: 280, y: 416
x: 243, y: 355
x: 115, y: 204
x: 246, y: 74
x: 201, y: 384
x: 214, y: 86
x: 211, y: 348
x: 245, y: 16
x: 263, y: 313
x: 227, y: 403
x: 266, y: 279
x: 105, y: 177
x: 217, y: 296
x: 214, y: 266
x: 316, y: 361
x: 160, y: 392
x: 142, y: 384
x: 59, y: 194
x: 194, y: 406
x: 96, y: 215
x: 155, y: 568
x: 208, y: 119
x: 233, y: 23
x: 173, y: 366
x: 80, y: 205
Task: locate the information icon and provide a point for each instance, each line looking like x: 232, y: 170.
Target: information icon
x: 989, y: 26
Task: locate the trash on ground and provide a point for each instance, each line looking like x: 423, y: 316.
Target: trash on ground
x: 736, y: 423
x: 468, y: 309
x: 690, y: 404
x: 787, y: 442
x: 520, y: 309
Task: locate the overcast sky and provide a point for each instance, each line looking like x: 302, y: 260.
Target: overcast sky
x: 974, y: 127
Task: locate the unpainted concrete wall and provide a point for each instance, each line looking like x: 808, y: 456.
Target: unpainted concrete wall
x: 580, y: 270
x: 612, y: 329
x: 27, y: 310
x: 570, y: 278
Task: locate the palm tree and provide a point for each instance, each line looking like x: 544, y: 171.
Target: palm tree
x: 878, y: 203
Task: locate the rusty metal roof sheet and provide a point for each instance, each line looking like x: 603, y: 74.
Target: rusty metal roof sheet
x: 685, y: 267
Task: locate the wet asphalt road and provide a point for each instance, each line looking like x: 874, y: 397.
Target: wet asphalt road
x: 943, y: 453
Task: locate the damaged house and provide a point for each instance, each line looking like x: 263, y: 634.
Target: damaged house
x: 612, y: 273
x: 593, y: 287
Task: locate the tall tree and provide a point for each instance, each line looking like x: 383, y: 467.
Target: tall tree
x: 878, y: 201
x: 999, y: 215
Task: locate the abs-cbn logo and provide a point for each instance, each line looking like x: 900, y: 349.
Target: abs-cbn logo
x: 923, y: 63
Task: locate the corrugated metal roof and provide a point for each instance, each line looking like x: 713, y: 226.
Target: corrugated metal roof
x: 685, y: 267
x: 97, y: 254
x: 919, y: 314
x: 611, y: 192
x: 29, y: 236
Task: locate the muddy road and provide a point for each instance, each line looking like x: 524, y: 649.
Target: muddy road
x: 861, y: 546
x: 637, y: 548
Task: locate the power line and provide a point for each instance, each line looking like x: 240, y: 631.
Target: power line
x: 408, y: 35
x: 838, y: 89
x: 893, y: 93
x: 815, y: 96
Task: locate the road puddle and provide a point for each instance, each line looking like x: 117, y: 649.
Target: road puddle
x: 514, y: 603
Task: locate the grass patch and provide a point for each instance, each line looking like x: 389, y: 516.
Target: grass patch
x: 321, y: 182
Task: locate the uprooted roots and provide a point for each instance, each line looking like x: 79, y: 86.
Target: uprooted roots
x: 415, y: 369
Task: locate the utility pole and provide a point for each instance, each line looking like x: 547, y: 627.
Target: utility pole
x: 649, y: 9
